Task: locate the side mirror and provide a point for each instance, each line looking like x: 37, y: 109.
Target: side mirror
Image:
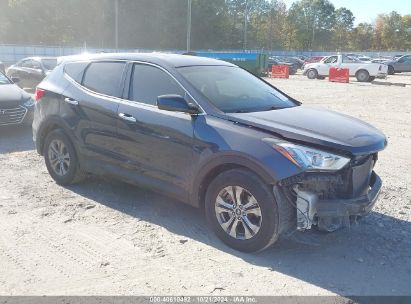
x: 176, y: 103
x: 15, y: 79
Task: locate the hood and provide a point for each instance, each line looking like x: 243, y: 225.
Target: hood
x: 390, y: 62
x: 310, y: 65
x: 12, y: 96
x: 319, y: 127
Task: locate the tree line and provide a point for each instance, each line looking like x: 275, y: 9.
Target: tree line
x: 216, y: 24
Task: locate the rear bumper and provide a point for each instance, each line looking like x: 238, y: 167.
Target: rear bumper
x: 381, y: 75
x: 357, y: 206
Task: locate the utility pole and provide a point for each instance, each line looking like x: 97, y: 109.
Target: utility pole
x: 245, y: 25
x: 116, y: 23
x: 188, y: 25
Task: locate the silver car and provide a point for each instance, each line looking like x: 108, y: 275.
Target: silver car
x: 402, y: 64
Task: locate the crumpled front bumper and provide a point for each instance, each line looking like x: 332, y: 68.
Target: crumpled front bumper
x: 331, y: 214
x: 356, y: 206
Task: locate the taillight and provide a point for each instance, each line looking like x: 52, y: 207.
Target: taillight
x: 38, y: 94
x: 379, y: 69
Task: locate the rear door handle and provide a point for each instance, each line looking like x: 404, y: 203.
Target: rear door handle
x: 71, y: 101
x: 127, y: 117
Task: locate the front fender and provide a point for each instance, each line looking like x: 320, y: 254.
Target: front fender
x: 221, y: 144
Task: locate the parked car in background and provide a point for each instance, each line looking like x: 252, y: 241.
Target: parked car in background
x: 302, y: 57
x: 402, y: 64
x: 31, y: 71
x: 16, y: 105
x: 2, y: 68
x: 380, y: 60
x: 364, y: 58
x: 292, y: 68
x: 212, y: 135
x: 312, y: 59
x: 363, y: 71
x: 395, y: 57
x: 297, y: 62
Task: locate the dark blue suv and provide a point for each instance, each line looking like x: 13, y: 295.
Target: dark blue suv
x: 212, y: 135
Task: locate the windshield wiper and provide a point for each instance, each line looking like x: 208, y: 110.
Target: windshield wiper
x: 272, y: 108
x: 243, y: 111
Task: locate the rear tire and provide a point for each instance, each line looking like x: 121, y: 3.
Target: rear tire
x: 372, y: 78
x: 362, y: 76
x: 312, y: 74
x: 391, y: 70
x: 236, y: 198
x: 61, y: 158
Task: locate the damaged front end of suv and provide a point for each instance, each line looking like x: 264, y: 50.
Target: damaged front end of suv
x: 333, y: 191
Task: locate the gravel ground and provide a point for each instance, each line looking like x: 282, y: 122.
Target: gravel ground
x: 103, y: 237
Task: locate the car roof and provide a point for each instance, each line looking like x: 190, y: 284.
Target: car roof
x: 39, y: 57
x: 174, y: 60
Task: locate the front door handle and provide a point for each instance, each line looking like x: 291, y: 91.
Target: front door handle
x: 127, y: 117
x: 71, y: 101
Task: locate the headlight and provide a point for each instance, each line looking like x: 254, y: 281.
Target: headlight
x: 29, y: 102
x: 308, y: 158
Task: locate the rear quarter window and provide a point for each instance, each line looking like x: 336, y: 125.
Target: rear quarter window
x: 75, y: 70
x: 104, y: 77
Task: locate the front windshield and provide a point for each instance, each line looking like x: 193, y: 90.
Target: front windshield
x: 49, y: 64
x: 233, y: 90
x: 4, y: 79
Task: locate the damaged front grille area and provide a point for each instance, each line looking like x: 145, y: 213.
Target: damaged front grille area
x: 308, y: 188
x: 346, y: 183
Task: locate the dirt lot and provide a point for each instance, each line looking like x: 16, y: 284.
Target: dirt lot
x: 107, y: 238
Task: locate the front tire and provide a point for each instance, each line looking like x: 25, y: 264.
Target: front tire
x: 391, y: 70
x: 242, y: 211
x: 312, y: 74
x: 61, y: 158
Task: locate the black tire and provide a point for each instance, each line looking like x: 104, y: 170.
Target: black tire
x: 320, y: 77
x: 391, y: 70
x: 312, y: 74
x: 271, y: 223
x: 73, y: 172
x: 372, y: 78
x: 362, y: 76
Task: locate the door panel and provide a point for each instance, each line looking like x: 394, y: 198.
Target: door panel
x: 157, y: 147
x: 93, y: 115
x: 404, y: 64
x: 93, y: 120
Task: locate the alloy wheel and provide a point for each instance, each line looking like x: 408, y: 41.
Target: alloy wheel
x: 59, y: 157
x: 238, y: 212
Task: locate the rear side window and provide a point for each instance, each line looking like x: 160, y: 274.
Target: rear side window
x: 35, y: 65
x: 26, y: 64
x: 104, y: 77
x: 75, y: 70
x: 148, y: 82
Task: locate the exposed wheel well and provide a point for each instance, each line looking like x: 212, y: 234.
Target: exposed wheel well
x: 43, y: 135
x: 208, y: 178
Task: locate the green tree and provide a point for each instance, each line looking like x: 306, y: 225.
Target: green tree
x: 362, y: 37
x: 312, y: 21
x: 344, y: 21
